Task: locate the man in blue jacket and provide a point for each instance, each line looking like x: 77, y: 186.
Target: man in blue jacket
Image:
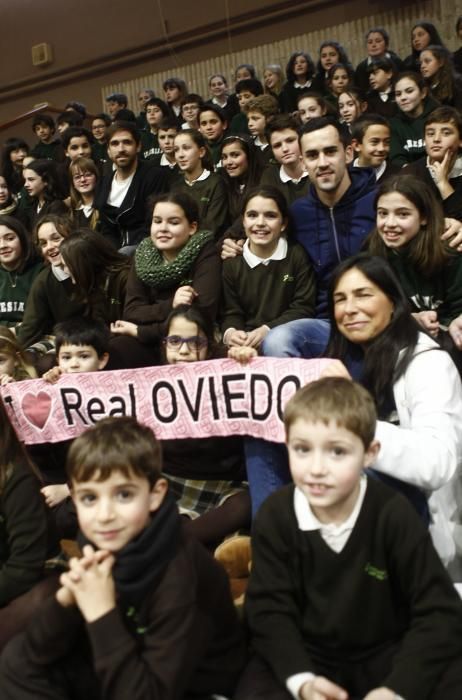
x: 331, y: 223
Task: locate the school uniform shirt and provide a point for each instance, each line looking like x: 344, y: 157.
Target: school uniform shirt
x: 290, y: 92
x: 209, y: 191
x: 267, y: 292
x: 99, y: 154
x: 362, y: 76
x: 239, y: 124
x: 276, y: 176
x: 309, y: 607
x: 381, y: 103
x: 452, y: 205
x: 49, y: 302
x: 230, y: 108
x: 33, y: 213
x: 215, y: 150
x: 382, y: 172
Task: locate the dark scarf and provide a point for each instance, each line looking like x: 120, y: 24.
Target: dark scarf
x: 153, y: 270
x: 144, y: 559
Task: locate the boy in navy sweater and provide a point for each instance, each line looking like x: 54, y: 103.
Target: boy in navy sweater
x: 347, y: 596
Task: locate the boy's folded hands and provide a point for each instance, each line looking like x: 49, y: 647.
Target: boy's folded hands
x: 89, y: 584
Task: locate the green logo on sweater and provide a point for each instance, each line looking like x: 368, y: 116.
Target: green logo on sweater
x: 379, y: 574
x: 287, y: 278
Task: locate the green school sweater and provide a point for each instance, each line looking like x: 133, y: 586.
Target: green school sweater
x: 282, y: 291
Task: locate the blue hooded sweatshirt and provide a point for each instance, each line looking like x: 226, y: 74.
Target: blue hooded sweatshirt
x: 332, y: 234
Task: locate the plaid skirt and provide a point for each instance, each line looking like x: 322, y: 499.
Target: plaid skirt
x: 195, y: 497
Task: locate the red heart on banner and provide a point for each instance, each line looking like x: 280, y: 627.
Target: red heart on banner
x: 36, y: 408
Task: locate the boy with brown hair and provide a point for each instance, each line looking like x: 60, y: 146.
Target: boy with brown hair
x: 260, y: 112
x: 145, y: 612
x: 47, y: 146
x: 370, y: 138
x: 347, y: 597
x: 441, y: 167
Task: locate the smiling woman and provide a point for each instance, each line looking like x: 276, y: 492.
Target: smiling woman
x: 415, y: 386
x: 50, y: 298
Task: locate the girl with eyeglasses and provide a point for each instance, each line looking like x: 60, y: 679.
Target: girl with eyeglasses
x: 83, y: 177
x: 206, y: 475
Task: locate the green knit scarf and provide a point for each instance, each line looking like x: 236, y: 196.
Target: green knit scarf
x: 155, y: 271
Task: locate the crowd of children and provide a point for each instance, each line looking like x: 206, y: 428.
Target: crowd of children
x: 231, y: 224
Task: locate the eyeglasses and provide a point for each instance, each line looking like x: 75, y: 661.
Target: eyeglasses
x: 194, y: 343
x: 82, y: 176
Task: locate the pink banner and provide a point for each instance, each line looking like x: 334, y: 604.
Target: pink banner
x: 219, y: 397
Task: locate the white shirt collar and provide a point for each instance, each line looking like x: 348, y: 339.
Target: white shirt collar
x: 87, y: 209
x: 372, y: 58
x: 307, y: 520
x: 378, y: 171
x: 59, y: 273
x: 203, y: 176
x: 456, y: 168
x: 284, y: 177
x: 258, y: 143
x: 253, y: 260
x: 385, y: 95
x: 299, y: 86
x: 165, y: 161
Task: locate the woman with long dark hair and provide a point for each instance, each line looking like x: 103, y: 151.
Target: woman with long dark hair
x: 41, y: 182
x: 241, y: 170
x: 13, y: 153
x: 19, y: 266
x: 50, y: 297
x: 423, y: 34
x: 415, y: 385
x: 99, y: 274
x: 437, y: 69
x: 330, y: 53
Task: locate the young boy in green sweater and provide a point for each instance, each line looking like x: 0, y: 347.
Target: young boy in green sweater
x: 347, y: 597
x: 145, y: 612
